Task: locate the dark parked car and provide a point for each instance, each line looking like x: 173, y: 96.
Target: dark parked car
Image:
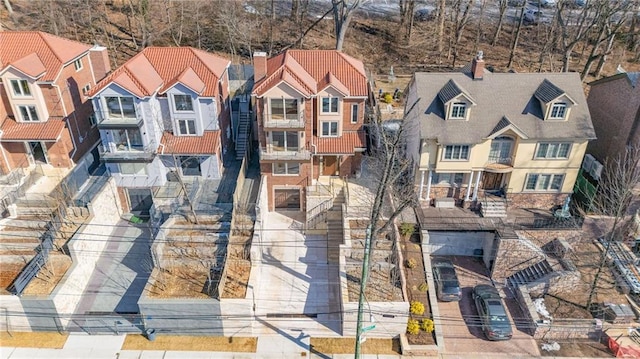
x: 446, y: 281
x: 493, y: 316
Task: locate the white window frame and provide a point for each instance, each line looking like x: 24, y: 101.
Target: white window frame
x: 285, y: 144
x: 93, y: 120
x: 544, y: 182
x: 331, y: 99
x: 122, y: 116
x: 142, y: 171
x: 29, y: 113
x: 329, y: 132
x: 453, y: 152
x: 21, y: 86
x: 552, y: 150
x: 354, y: 113
x: 456, y: 107
x: 286, y: 169
x: 78, y: 64
x: 86, y: 89
x: 557, y: 107
x: 453, y: 179
x: 175, y: 103
x: 187, y: 127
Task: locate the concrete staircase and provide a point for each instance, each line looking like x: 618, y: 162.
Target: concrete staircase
x: 494, y: 207
x: 242, y: 140
x: 530, y: 274
x: 335, y: 229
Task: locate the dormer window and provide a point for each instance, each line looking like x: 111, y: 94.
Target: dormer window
x: 20, y: 88
x: 183, y: 102
x: 558, y: 111
x: 458, y: 111
x: 330, y: 105
x: 28, y: 113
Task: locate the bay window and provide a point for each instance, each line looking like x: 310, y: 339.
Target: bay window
x: 121, y: 107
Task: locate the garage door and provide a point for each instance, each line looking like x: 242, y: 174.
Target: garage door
x: 287, y: 199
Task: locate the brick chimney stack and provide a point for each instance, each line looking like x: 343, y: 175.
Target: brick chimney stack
x: 477, y: 66
x: 259, y: 65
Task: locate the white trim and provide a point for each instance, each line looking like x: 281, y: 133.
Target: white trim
x: 421, y: 184
x: 466, y: 198
x: 475, y: 189
x: 429, y: 186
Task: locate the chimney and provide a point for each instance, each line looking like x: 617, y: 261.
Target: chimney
x: 477, y: 66
x: 99, y: 58
x: 259, y: 66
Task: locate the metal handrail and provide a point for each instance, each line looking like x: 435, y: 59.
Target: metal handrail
x: 297, y: 121
x: 501, y: 160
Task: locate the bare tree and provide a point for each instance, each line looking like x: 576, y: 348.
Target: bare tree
x: 575, y: 28
x: 407, y: 9
x: 516, y: 37
x: 502, y: 9
x: 442, y: 7
x: 461, y: 19
x: 343, y: 11
x: 611, y: 201
x: 480, y: 30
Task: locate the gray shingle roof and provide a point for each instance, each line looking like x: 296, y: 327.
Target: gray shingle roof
x: 548, y: 92
x: 449, y: 91
x: 500, y: 95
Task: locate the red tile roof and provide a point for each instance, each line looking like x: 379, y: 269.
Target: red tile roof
x: 32, y: 131
x: 345, y: 144
x: 40, y: 52
x: 160, y: 68
x: 313, y: 70
x: 207, y: 144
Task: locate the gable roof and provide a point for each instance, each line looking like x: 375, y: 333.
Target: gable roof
x: 161, y: 68
x: 37, y: 53
x: 502, y: 99
x: 310, y: 71
x: 503, y: 126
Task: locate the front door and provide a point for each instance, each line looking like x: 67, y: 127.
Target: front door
x: 37, y: 152
x: 140, y: 201
x: 491, y: 181
x: 330, y: 166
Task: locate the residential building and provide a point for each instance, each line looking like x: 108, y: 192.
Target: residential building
x: 516, y: 135
x: 614, y: 103
x: 163, y: 116
x: 310, y: 108
x: 45, y: 115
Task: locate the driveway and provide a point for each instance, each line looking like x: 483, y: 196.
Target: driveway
x: 460, y: 324
x: 298, y: 289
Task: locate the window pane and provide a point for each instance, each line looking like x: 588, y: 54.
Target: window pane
x: 531, y: 181
x: 113, y: 105
x: 16, y: 87
x: 456, y: 152
x: 542, y: 150
x: 334, y: 104
x: 325, y: 104
x: 291, y: 107
x: 277, y: 109
x: 458, y: 178
x: 33, y: 113
x: 183, y: 102
x: 553, y: 150
x: 279, y: 168
x: 448, y: 152
x: 292, y: 141
x: 277, y: 140
x: 543, y: 182
x: 191, y: 124
x: 464, y: 152
x: 354, y: 114
x: 24, y: 113
x: 557, y: 182
x: 563, y: 151
x: 25, y: 88
x: 293, y: 168
x: 182, y: 127
x: 135, y: 139
x: 128, y: 109
x: 334, y: 128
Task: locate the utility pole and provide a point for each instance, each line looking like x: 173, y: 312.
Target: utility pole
x: 363, y: 285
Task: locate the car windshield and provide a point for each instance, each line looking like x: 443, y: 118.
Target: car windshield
x: 450, y: 287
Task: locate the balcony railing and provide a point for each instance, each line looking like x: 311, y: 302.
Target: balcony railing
x: 301, y: 154
x: 105, y: 120
x: 139, y: 153
x: 288, y: 121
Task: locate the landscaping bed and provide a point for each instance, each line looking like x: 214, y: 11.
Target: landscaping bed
x: 417, y: 288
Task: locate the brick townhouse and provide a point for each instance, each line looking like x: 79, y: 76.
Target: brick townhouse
x: 45, y: 114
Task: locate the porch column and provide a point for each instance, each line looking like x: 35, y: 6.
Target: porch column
x: 475, y: 189
x: 421, y: 184
x: 428, y: 185
x: 466, y: 197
